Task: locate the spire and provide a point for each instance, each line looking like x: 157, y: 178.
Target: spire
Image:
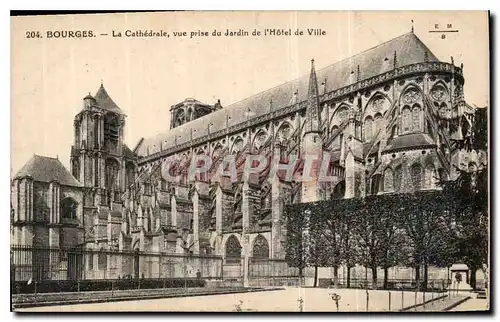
x: 358, y: 76
x: 412, y: 29
x: 312, y: 109
x: 395, y: 61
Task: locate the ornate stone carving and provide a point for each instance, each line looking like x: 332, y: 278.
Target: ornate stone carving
x: 438, y: 93
x: 378, y: 103
x: 412, y: 95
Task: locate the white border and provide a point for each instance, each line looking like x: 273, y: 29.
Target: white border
x: 197, y: 5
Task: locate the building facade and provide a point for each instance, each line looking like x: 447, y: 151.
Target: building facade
x: 378, y: 115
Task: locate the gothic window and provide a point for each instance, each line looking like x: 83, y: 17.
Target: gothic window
x: 416, y: 117
x: 416, y: 176
x: 217, y: 151
x: 180, y: 118
x: 430, y: 174
x: 76, y: 169
x: 102, y: 259
x: 375, y: 184
x: 111, y: 168
x: 111, y: 131
x: 378, y: 103
x: 377, y: 123
x: 233, y: 250
x: 406, y: 119
x: 341, y: 115
x: 266, y: 199
x: 339, y: 190
x: 398, y: 175
x: 237, y: 145
x: 368, y: 128
x: 260, y: 247
x: 91, y: 261
x: 411, y: 96
x: 96, y: 132
x: 259, y: 140
x: 439, y: 93
x: 388, y: 180
x: 96, y: 172
x: 68, y: 208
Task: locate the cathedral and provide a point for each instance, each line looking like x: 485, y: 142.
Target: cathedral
x: 377, y: 115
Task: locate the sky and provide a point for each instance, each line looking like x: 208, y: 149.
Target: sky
x: 146, y: 76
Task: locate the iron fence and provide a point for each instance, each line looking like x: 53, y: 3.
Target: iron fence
x: 45, y: 263
x: 272, y: 272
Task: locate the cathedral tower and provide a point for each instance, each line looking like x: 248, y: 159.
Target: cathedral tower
x: 97, y: 156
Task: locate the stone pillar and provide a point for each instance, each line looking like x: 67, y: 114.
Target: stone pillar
x: 246, y: 258
x: 54, y: 202
x: 218, y: 210
x: 277, y: 213
x: 196, y: 222
x: 245, y: 207
x: 350, y: 181
x: 174, y: 211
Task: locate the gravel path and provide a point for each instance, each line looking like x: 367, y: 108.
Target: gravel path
x: 314, y: 300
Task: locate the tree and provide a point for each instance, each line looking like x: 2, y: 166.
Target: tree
x: 367, y: 227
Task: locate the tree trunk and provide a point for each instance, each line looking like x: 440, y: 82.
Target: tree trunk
x: 336, y: 276
x: 315, y: 275
x: 348, y: 277
x: 472, y: 280
x: 301, y: 273
x: 417, y: 275
x: 426, y: 275
x: 386, y: 278
x: 374, y: 278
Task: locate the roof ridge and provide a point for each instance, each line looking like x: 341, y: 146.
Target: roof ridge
x: 328, y: 66
x: 46, y: 157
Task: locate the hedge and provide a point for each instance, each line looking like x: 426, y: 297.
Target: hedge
x: 56, y: 286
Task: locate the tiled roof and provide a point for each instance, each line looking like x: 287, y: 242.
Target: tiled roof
x: 410, y: 140
x: 46, y: 169
x: 409, y: 48
x: 104, y: 101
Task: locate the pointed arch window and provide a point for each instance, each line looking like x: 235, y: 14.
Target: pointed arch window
x: 233, y: 250
x: 430, y: 175
x: 368, y: 128
x: 111, y: 168
x: 416, y: 176
x: 388, y: 180
x: 416, y: 117
x: 406, y: 119
x: 260, y: 247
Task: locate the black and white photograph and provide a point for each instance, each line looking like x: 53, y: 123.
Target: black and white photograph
x: 250, y: 161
